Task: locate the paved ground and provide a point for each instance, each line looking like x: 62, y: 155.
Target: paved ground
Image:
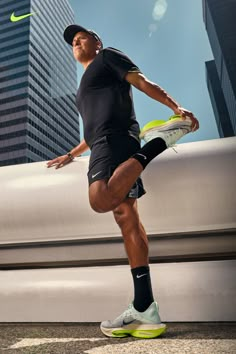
x: 189, y: 338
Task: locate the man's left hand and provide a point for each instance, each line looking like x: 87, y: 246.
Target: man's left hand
x: 184, y: 113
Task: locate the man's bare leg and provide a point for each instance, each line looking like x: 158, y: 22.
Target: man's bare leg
x: 127, y: 173
x: 135, y: 238
x: 124, y: 178
x: 136, y: 245
x: 107, y: 195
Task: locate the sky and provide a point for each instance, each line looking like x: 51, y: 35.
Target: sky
x: 168, y: 41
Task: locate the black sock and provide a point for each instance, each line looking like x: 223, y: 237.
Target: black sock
x: 149, y: 151
x: 143, y: 296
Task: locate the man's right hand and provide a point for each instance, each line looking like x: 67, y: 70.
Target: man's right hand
x: 187, y: 114
x: 59, y: 161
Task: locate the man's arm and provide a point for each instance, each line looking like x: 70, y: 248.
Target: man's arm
x: 65, y: 159
x: 79, y: 149
x: 154, y: 91
x: 151, y: 89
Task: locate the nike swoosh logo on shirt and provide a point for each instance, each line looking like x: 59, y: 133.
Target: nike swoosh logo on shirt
x: 14, y: 18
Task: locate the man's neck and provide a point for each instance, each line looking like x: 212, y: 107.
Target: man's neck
x: 87, y: 63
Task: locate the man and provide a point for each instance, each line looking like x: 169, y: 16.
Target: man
x: 111, y: 131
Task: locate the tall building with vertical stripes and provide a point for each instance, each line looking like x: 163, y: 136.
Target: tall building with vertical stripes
x: 38, y: 82
x: 219, y: 18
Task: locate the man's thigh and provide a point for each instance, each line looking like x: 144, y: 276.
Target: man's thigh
x: 106, y: 155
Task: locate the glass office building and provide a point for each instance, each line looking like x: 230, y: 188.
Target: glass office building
x: 221, y: 112
x: 38, y: 82
x: 219, y: 18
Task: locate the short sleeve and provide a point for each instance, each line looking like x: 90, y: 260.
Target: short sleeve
x: 118, y: 62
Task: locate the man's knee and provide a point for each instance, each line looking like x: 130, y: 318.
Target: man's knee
x: 100, y: 199
x: 99, y: 207
x: 97, y: 204
x: 126, y: 213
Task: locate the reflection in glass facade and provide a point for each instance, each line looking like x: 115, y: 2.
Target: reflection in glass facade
x: 219, y: 18
x: 218, y: 101
x: 38, y: 82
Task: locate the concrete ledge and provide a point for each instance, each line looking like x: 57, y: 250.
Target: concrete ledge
x: 215, y: 245
x: 188, y: 211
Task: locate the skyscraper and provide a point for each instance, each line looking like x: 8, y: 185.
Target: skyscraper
x: 218, y: 102
x: 38, y: 82
x: 219, y: 18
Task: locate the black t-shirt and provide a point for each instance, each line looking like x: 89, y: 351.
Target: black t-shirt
x: 104, y: 98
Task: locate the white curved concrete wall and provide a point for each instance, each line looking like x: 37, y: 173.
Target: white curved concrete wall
x: 192, y: 190
x: 196, y: 291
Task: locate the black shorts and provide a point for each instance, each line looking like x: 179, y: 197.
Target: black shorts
x: 109, y: 152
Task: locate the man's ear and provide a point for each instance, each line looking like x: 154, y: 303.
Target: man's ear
x: 99, y: 46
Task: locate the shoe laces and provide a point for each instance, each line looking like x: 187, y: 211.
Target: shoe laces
x: 126, y: 313
x: 173, y: 148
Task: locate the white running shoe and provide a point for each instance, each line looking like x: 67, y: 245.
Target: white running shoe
x: 145, y: 324
x: 170, y: 131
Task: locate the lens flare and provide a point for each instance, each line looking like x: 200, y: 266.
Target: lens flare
x: 159, y: 10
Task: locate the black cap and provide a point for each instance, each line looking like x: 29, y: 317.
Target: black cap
x: 71, y: 31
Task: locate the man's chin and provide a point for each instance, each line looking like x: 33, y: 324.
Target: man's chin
x: 78, y: 57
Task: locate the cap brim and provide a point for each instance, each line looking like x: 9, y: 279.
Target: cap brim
x: 71, y: 31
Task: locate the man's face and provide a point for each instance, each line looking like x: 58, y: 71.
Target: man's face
x: 84, y: 46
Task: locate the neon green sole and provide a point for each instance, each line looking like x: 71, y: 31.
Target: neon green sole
x: 145, y: 334
x: 158, y: 123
